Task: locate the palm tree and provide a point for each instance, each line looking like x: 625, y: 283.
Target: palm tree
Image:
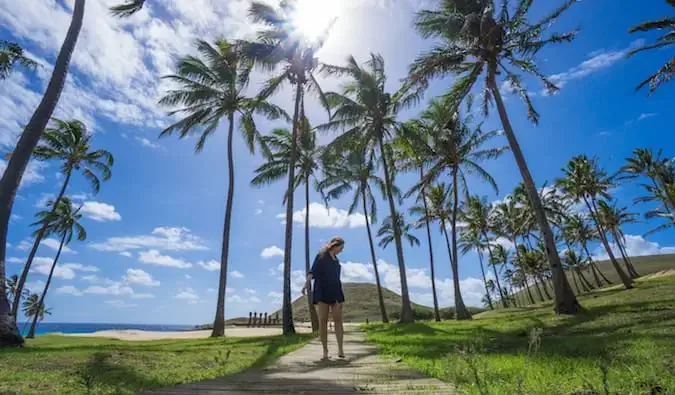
x: 212, y: 87
x: 369, y: 113
x: 471, y: 241
x: 308, y: 160
x: 576, y: 263
x: 579, y: 231
x: 519, y: 262
x: 9, y: 184
x: 31, y: 308
x: 584, y: 182
x: 68, y: 142
x: 667, y: 72
x: 387, y: 231
x: 475, y: 41
x: 355, y: 171
x: 10, y: 54
x: 668, y: 193
x: 612, y: 217
x: 476, y: 214
x: 11, y: 287
x: 64, y: 222
x: 127, y: 9
x: 279, y: 45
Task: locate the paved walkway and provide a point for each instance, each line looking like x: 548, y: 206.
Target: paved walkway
x: 301, y: 372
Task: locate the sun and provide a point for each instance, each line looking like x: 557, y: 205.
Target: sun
x: 311, y: 18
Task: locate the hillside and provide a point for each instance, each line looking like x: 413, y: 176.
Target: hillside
x: 362, y: 304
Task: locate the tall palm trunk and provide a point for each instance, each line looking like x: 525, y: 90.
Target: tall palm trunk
x: 287, y: 309
x: 406, y: 308
x: 594, y: 266
x: 627, y: 282
x: 31, y: 332
x: 310, y: 302
x: 38, y: 238
x: 219, y: 321
x: 527, y: 287
x: 461, y: 312
x: 380, y: 298
x: 482, y: 272
x: 494, y: 268
x: 584, y: 281
x: 9, y: 184
x: 536, y: 287
x: 576, y: 282
x: 543, y: 286
x: 565, y: 300
x: 667, y: 200
x: 629, y: 265
x: 437, y: 314
x: 598, y: 282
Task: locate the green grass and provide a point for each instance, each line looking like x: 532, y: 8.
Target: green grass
x: 629, y: 334
x: 79, y: 365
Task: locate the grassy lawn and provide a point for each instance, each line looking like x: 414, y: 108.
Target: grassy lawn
x: 624, y: 342
x: 79, y: 365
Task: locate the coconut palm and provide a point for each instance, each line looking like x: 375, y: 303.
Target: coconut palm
x: 668, y: 193
x: 475, y: 41
x: 667, y: 72
x: 212, y: 86
x: 11, y: 54
x: 584, y: 182
x: 580, y: 231
x: 476, y: 214
x: 16, y: 166
x: 280, y: 47
x: 612, y: 218
x: 11, y: 288
x: 68, y: 142
x: 387, y: 231
x: 576, y: 263
x: 369, y: 115
x: 344, y: 173
x: 657, y: 169
x: 127, y: 9
x: 307, y: 163
x: 31, y: 308
x: 64, y: 222
x: 519, y: 261
x: 472, y: 241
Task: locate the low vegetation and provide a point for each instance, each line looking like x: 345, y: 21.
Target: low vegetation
x: 623, y: 342
x: 81, y: 365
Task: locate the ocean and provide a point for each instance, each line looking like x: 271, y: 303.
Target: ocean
x: 67, y: 327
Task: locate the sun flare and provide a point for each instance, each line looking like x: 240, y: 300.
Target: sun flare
x: 311, y: 18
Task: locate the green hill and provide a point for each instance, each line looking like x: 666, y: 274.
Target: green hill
x: 362, y: 304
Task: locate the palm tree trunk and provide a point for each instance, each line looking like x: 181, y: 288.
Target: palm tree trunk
x: 31, y: 332
x: 629, y: 267
x: 482, y: 272
x: 380, y: 297
x: 461, y: 312
x: 624, y: 278
x: 565, y: 300
x: 595, y: 267
x: 576, y: 282
x: 666, y: 199
x: 287, y: 309
x: 536, y: 287
x: 310, y: 302
x: 494, y: 268
x: 437, y: 314
x: 219, y: 320
x: 584, y: 281
x: 545, y: 289
x: 406, y: 308
x: 598, y: 282
x: 9, y: 184
x: 38, y: 238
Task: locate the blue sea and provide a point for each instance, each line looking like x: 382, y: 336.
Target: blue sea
x: 66, y: 327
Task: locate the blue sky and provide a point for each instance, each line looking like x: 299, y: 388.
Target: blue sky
x: 155, y: 227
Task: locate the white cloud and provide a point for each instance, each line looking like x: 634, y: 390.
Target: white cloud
x: 44, y: 199
x: 187, y: 276
x: 147, y: 143
x: 236, y: 274
x: 647, y: 115
x: 271, y: 252
x: 114, y: 288
x: 16, y: 217
x: 54, y: 245
x: 635, y: 246
x: 142, y: 296
x: 82, y: 268
x: 42, y: 265
x: 24, y: 245
x: 126, y: 254
x: 211, y: 265
x: 599, y: 60
x: 162, y: 238
x: 258, y: 211
x: 140, y: 277
x: 100, y: 212
x: 322, y: 217
x: 15, y: 260
x: 276, y: 298
x: 68, y: 289
x: 120, y: 304
x: 32, y: 174
x: 242, y: 299
x: 187, y: 294
x: 250, y: 291
x: 153, y: 257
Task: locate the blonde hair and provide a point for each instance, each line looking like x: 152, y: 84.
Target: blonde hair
x: 334, y: 242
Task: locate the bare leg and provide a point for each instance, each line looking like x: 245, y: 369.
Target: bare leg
x: 323, y: 326
x: 339, y: 330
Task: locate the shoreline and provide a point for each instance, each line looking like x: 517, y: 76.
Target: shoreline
x: 143, y: 335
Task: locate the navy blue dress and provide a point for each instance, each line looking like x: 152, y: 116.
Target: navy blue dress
x: 327, y: 284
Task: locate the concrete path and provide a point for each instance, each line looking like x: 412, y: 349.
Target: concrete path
x: 302, y: 372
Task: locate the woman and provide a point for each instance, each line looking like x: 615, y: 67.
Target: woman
x: 328, y: 295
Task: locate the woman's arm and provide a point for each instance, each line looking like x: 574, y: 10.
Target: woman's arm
x: 310, y: 276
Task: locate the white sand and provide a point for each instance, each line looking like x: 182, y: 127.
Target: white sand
x: 150, y: 335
